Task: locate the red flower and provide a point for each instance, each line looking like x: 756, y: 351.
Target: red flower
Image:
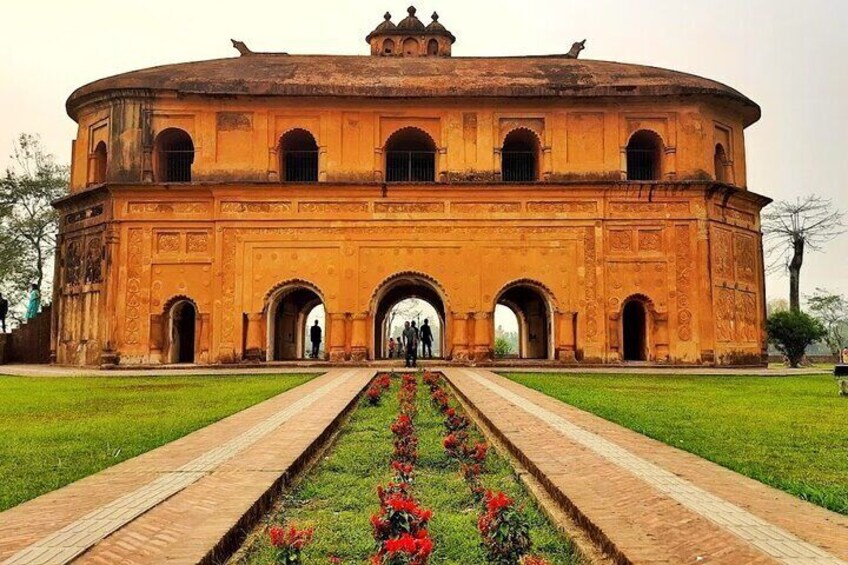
x: 534, y: 560
x: 496, y: 501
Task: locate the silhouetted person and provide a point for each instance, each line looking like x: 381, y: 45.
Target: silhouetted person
x: 4, y: 310
x: 410, y: 338
x: 400, y: 350
x: 34, y: 302
x: 315, y: 337
x: 392, y: 346
x: 426, y: 340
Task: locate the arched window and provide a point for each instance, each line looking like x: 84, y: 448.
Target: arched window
x: 520, y: 157
x: 644, y: 156
x: 298, y: 157
x: 410, y: 156
x: 634, y: 322
x: 720, y: 160
x: 175, y: 155
x: 99, y: 164
x: 410, y: 46
x: 389, y: 46
x: 432, y: 47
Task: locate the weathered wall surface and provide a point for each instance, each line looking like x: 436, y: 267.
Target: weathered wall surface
x: 690, y: 253
x: 238, y: 140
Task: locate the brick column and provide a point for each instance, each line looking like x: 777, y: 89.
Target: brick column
x: 253, y: 347
x: 566, y: 345
x: 359, y: 337
x: 336, y: 337
x: 482, y: 336
x: 459, y: 350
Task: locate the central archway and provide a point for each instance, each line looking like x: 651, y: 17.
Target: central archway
x: 634, y: 328
x: 395, y: 290
x: 291, y: 312
x: 530, y: 302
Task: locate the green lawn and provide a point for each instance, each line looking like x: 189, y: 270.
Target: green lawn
x: 57, y: 430
x: 788, y: 432
x: 338, y: 497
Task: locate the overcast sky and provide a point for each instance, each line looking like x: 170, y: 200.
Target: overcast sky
x: 789, y: 56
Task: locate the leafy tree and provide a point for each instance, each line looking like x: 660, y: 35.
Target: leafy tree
x: 28, y: 221
x: 792, y: 332
x: 832, y: 311
x: 790, y: 228
x: 502, y: 347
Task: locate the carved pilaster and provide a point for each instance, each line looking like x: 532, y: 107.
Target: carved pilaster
x: 253, y: 345
x: 483, y: 346
x: 337, y: 336
x: 359, y: 337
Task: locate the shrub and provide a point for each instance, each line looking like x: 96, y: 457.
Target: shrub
x: 502, y: 347
x: 399, y: 514
x: 288, y: 543
x: 792, y: 332
x: 405, y: 550
x: 505, y: 531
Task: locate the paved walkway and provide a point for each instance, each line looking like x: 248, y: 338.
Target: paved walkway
x: 646, y: 502
x: 184, y: 501
x: 307, y: 367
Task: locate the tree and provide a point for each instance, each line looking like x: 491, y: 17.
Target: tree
x: 790, y: 228
x: 792, y: 332
x: 832, y: 311
x: 28, y: 221
x: 502, y: 347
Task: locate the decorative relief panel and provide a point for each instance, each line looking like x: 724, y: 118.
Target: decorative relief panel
x: 486, y: 207
x: 684, y: 267
x: 73, y: 262
x: 734, y: 215
x: 168, y: 243
x: 746, y: 316
x: 135, y: 258
x: 94, y: 260
x: 620, y: 241
x: 85, y: 214
x: 650, y: 240
x: 409, y: 207
x: 197, y: 242
x: 649, y: 209
x: 176, y: 208
x: 330, y: 207
x: 725, y: 314
x: 723, y: 254
x: 238, y: 208
x: 575, y: 207
x: 591, y: 289
x: 745, y: 258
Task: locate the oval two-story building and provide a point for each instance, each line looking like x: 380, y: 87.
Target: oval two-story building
x: 214, y: 203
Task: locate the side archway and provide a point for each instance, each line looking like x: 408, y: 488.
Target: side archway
x: 398, y: 288
x: 289, y: 309
x: 181, y: 327
x: 534, y: 307
x: 637, y: 312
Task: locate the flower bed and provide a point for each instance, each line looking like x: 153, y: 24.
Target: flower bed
x: 339, y: 497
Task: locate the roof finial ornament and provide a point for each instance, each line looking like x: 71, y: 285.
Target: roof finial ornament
x: 411, y: 11
x: 387, y: 16
x: 242, y: 48
x: 435, y: 16
x: 576, y: 48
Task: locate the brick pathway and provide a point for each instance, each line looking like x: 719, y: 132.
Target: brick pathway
x: 643, y: 500
x: 183, y: 501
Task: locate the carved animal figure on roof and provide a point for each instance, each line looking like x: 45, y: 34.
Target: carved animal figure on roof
x: 576, y: 48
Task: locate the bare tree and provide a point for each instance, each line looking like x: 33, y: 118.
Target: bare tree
x: 792, y: 227
x: 28, y: 221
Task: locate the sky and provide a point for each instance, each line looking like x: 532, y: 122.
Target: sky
x: 788, y: 56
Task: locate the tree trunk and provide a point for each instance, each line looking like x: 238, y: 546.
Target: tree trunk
x: 795, y: 275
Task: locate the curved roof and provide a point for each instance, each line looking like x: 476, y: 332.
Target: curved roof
x: 273, y: 74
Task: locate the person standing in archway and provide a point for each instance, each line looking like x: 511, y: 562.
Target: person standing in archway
x: 315, y: 337
x: 410, y: 338
x: 426, y: 339
x: 34, y: 302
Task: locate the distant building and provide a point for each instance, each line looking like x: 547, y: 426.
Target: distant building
x: 215, y: 203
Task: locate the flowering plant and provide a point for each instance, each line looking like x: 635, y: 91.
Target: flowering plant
x: 534, y: 560
x: 455, y: 422
x: 432, y: 380
x: 454, y: 444
x: 505, y: 531
x: 405, y: 550
x: 399, y: 514
x: 440, y: 400
x: 403, y: 471
x: 288, y: 543
x: 406, y: 441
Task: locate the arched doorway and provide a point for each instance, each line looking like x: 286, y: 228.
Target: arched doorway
x: 182, y: 331
x: 292, y: 312
x: 644, y: 156
x: 393, y: 294
x: 634, y: 327
x: 174, y: 156
x: 298, y: 157
x: 410, y: 156
x: 530, y: 303
x: 520, y: 156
